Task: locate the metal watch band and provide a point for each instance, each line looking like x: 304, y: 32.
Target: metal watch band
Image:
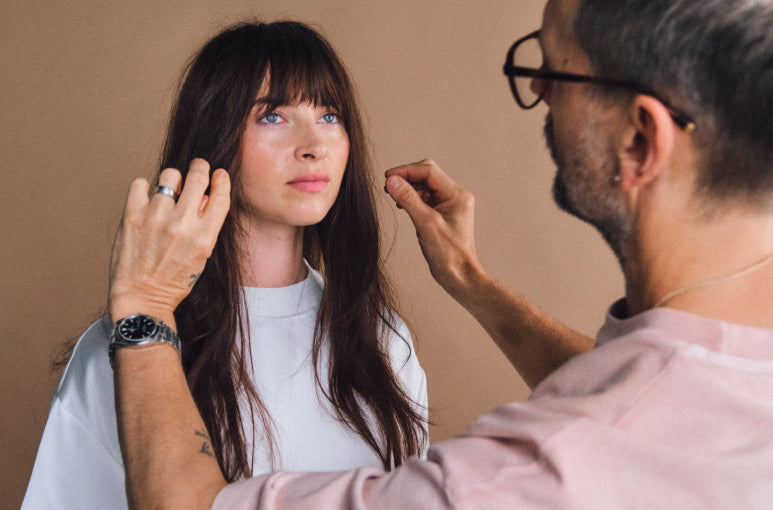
x: 162, y: 334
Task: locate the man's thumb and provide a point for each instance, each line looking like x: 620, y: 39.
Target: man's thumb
x: 406, y: 197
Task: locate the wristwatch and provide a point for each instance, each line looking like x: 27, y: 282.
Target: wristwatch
x: 140, y: 330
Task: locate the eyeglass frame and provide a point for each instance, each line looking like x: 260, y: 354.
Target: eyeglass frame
x: 512, y: 72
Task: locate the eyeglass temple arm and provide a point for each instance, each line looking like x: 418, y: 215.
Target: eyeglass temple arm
x: 682, y: 120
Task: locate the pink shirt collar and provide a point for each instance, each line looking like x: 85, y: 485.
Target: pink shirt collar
x: 711, y: 334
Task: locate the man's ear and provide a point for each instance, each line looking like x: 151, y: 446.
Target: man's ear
x: 646, y: 143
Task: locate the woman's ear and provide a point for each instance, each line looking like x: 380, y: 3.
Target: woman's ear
x: 646, y: 143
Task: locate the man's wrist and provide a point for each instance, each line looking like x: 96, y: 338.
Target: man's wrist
x: 123, y: 308
x: 469, y: 280
x: 157, y: 350
x: 481, y: 294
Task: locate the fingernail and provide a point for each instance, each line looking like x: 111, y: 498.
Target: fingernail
x: 393, y: 183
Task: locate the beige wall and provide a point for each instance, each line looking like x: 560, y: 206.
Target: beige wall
x: 85, y: 90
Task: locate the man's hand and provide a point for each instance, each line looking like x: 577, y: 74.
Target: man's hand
x: 443, y: 214
x: 162, y: 246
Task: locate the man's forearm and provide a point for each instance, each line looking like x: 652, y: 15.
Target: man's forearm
x: 535, y: 343
x: 167, y: 453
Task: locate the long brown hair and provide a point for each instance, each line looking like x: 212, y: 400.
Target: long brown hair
x: 355, y: 317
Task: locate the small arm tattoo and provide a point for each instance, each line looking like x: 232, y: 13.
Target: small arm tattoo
x: 206, y: 447
x: 194, y: 278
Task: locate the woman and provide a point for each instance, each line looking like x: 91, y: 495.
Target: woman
x: 288, y: 373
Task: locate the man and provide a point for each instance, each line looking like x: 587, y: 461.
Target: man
x: 659, y: 126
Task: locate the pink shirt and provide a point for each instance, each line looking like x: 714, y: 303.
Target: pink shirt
x: 670, y: 410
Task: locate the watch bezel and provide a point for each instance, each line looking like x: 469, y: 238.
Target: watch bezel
x: 160, y: 333
x: 138, y: 319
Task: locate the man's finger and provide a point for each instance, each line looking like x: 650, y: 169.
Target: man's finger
x: 216, y: 207
x: 160, y: 203
x: 428, y: 174
x: 171, y: 178
x: 196, y: 183
x: 407, y: 198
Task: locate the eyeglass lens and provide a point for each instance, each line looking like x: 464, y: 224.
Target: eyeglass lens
x: 528, y: 54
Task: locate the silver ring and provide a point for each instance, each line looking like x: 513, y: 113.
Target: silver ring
x: 166, y: 190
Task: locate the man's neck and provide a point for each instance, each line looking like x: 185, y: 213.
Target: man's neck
x: 716, y: 266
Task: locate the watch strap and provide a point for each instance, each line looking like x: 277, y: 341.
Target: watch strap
x: 162, y: 334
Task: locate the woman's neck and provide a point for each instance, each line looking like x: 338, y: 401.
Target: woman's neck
x: 273, y: 256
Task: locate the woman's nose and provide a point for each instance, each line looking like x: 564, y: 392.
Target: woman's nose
x: 311, y: 143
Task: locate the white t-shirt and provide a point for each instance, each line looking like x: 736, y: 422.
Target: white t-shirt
x: 79, y: 465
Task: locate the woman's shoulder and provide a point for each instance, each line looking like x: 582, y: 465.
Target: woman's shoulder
x: 405, y: 362
x: 398, y: 336
x: 81, y: 434
x: 88, y: 372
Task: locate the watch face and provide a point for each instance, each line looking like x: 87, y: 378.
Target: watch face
x: 137, y: 327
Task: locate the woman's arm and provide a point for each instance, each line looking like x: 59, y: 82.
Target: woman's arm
x: 443, y: 214
x: 161, y: 248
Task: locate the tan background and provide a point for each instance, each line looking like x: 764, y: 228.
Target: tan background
x: 85, y: 90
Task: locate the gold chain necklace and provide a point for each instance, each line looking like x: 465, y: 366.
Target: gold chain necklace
x: 721, y: 279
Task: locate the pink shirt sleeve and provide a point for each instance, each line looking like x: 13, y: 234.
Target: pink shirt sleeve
x: 417, y: 484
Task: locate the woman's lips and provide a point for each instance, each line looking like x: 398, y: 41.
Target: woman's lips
x: 310, y: 183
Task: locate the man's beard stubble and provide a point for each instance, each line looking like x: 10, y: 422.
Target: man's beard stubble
x: 582, y: 185
x: 560, y: 192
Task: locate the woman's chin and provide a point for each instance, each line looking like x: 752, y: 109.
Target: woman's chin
x: 311, y: 216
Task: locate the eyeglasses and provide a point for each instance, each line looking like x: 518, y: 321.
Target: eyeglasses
x: 525, y: 63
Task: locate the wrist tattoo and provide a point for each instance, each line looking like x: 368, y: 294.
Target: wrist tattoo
x: 194, y: 278
x: 206, y: 446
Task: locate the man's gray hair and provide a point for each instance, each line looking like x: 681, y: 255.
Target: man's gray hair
x: 712, y: 59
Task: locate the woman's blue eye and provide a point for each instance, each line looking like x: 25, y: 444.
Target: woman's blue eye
x: 270, y: 118
x: 330, y: 118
